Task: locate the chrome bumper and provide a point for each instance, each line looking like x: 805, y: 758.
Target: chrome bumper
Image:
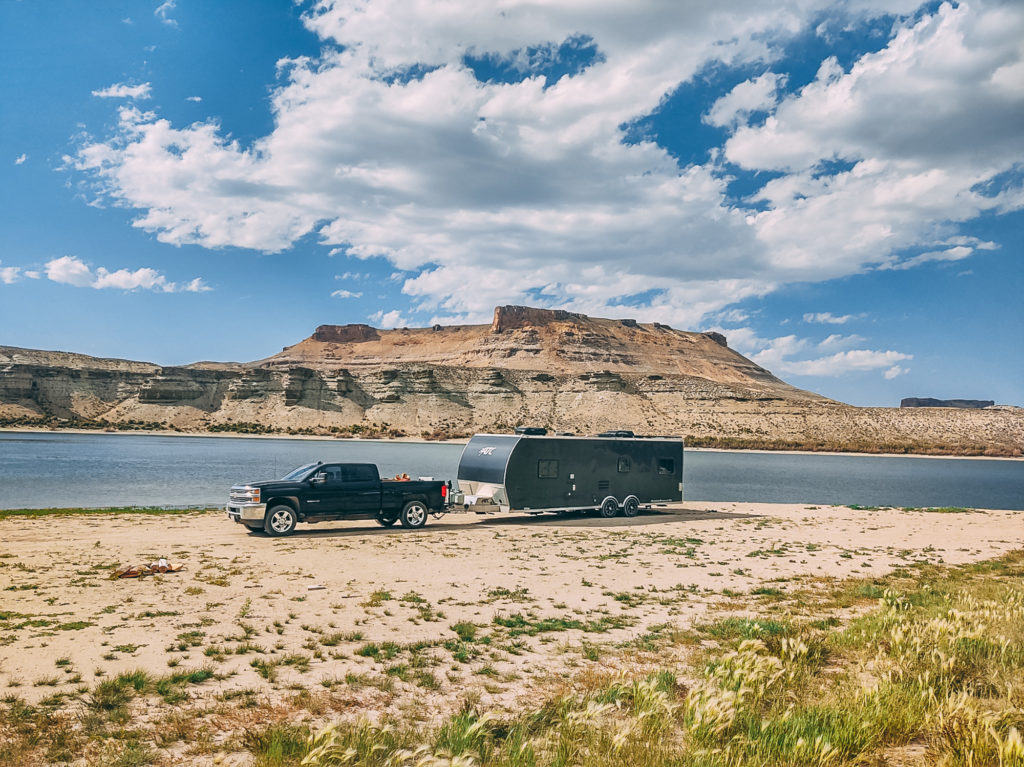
x: 246, y: 512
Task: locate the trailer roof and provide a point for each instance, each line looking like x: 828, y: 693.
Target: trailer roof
x: 581, y: 436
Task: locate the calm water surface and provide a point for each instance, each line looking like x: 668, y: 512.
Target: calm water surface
x: 92, y: 470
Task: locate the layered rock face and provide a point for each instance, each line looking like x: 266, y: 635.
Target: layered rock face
x: 960, y: 403
x: 565, y: 371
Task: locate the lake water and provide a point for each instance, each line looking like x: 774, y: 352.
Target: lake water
x: 40, y: 470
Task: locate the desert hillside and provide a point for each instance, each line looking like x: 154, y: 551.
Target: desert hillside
x: 565, y: 371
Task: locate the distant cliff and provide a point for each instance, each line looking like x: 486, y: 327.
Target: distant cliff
x: 968, y: 404
x: 550, y: 368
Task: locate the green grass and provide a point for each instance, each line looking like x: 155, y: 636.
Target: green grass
x: 930, y: 658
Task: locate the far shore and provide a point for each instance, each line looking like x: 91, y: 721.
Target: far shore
x: 465, y: 440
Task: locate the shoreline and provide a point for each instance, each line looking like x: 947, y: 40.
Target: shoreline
x: 465, y: 440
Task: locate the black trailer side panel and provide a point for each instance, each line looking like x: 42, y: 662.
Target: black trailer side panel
x: 572, y: 473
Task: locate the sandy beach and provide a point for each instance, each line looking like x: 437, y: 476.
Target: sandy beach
x: 64, y: 623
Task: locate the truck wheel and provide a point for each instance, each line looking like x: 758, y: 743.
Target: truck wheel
x: 631, y: 506
x: 280, y: 520
x: 386, y: 521
x: 414, y: 515
x: 609, y: 508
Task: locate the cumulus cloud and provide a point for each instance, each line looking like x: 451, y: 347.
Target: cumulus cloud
x: 484, y: 192
x: 389, y: 320
x: 124, y: 91
x: 911, y: 140
x: 755, y: 95
x: 10, y: 274
x: 787, y: 355
x: 842, y: 363
x: 20, y: 159
x: 70, y: 270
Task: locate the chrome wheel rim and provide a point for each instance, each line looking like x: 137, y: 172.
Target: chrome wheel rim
x: 281, y: 522
x: 416, y: 515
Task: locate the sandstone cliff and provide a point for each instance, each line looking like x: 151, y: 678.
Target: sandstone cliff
x: 541, y: 367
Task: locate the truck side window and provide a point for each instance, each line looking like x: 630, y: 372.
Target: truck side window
x: 333, y: 474
x: 666, y: 466
x: 547, y: 469
x: 358, y: 473
x: 623, y: 465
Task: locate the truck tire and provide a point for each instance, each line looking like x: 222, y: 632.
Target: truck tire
x: 609, y: 508
x: 631, y: 506
x: 414, y: 515
x: 386, y: 521
x: 280, y: 520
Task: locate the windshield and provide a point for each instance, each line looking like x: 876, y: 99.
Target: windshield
x: 300, y: 472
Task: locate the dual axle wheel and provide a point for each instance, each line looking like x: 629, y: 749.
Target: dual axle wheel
x: 610, y: 507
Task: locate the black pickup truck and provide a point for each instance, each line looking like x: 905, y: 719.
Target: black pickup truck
x: 318, y: 492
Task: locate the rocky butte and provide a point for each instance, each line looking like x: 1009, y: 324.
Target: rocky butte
x: 565, y: 371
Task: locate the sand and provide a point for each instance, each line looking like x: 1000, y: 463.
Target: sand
x: 64, y: 624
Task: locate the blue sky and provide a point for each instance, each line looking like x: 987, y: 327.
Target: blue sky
x: 838, y: 187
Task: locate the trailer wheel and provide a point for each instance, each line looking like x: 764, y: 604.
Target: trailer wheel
x: 609, y: 508
x: 631, y: 506
x: 414, y: 515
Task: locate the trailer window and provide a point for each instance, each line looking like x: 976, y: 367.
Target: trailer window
x: 623, y: 466
x: 547, y: 469
x: 666, y: 466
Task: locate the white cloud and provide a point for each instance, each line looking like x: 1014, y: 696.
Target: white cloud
x: 837, y: 341
x: 163, y: 12
x: 20, y: 159
x: 345, y: 294
x: 196, y: 285
x: 194, y: 99
x: 755, y: 95
x: 921, y: 128
x: 351, y: 276
x: 32, y: 274
x: 10, y: 274
x: 830, y: 319
x: 388, y: 320
x: 124, y: 91
x: 70, y: 270
x: 841, y: 363
x: 497, y: 192
x: 780, y: 355
x: 145, y: 278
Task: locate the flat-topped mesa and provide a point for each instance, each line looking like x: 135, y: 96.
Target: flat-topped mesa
x: 513, y: 317
x: 345, y: 334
